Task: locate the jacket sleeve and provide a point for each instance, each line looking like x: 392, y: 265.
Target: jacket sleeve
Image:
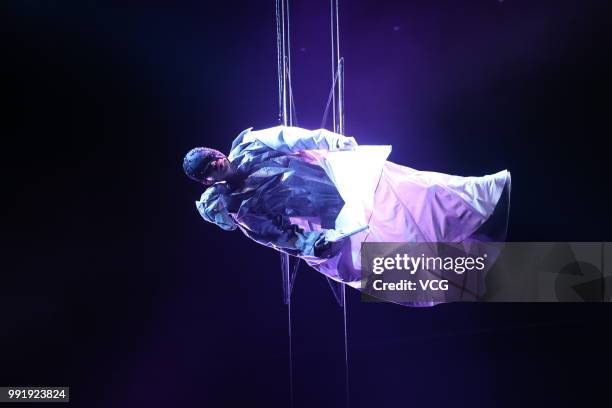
x: 292, y: 139
x: 278, y: 233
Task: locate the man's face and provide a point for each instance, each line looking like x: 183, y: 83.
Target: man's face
x: 217, y: 170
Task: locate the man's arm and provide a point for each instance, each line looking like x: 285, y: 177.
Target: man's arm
x: 277, y: 232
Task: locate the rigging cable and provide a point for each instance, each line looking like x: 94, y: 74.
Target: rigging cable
x: 284, y: 80
x: 286, y: 117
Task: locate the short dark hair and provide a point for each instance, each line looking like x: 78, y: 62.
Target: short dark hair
x: 197, y: 161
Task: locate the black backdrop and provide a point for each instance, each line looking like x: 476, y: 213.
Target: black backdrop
x: 112, y: 284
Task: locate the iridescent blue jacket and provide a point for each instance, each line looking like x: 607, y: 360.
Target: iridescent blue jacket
x: 276, y: 187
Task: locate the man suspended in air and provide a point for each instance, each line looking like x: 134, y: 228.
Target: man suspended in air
x: 318, y: 195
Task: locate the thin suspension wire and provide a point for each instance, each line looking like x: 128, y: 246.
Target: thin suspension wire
x: 333, y: 64
x: 294, y: 119
x: 288, y: 45
x: 340, y: 129
x: 284, y: 82
x: 331, y: 94
x: 279, y: 63
x: 346, y: 364
x: 292, y: 109
x: 341, y: 82
x: 289, y: 331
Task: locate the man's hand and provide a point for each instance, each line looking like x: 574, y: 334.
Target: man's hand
x: 326, y: 249
x: 347, y: 143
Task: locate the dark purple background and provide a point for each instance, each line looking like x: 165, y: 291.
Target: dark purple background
x: 112, y: 284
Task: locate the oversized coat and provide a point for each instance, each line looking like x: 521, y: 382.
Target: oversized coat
x: 297, y: 185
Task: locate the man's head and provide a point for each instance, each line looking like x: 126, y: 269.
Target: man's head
x: 206, y: 166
